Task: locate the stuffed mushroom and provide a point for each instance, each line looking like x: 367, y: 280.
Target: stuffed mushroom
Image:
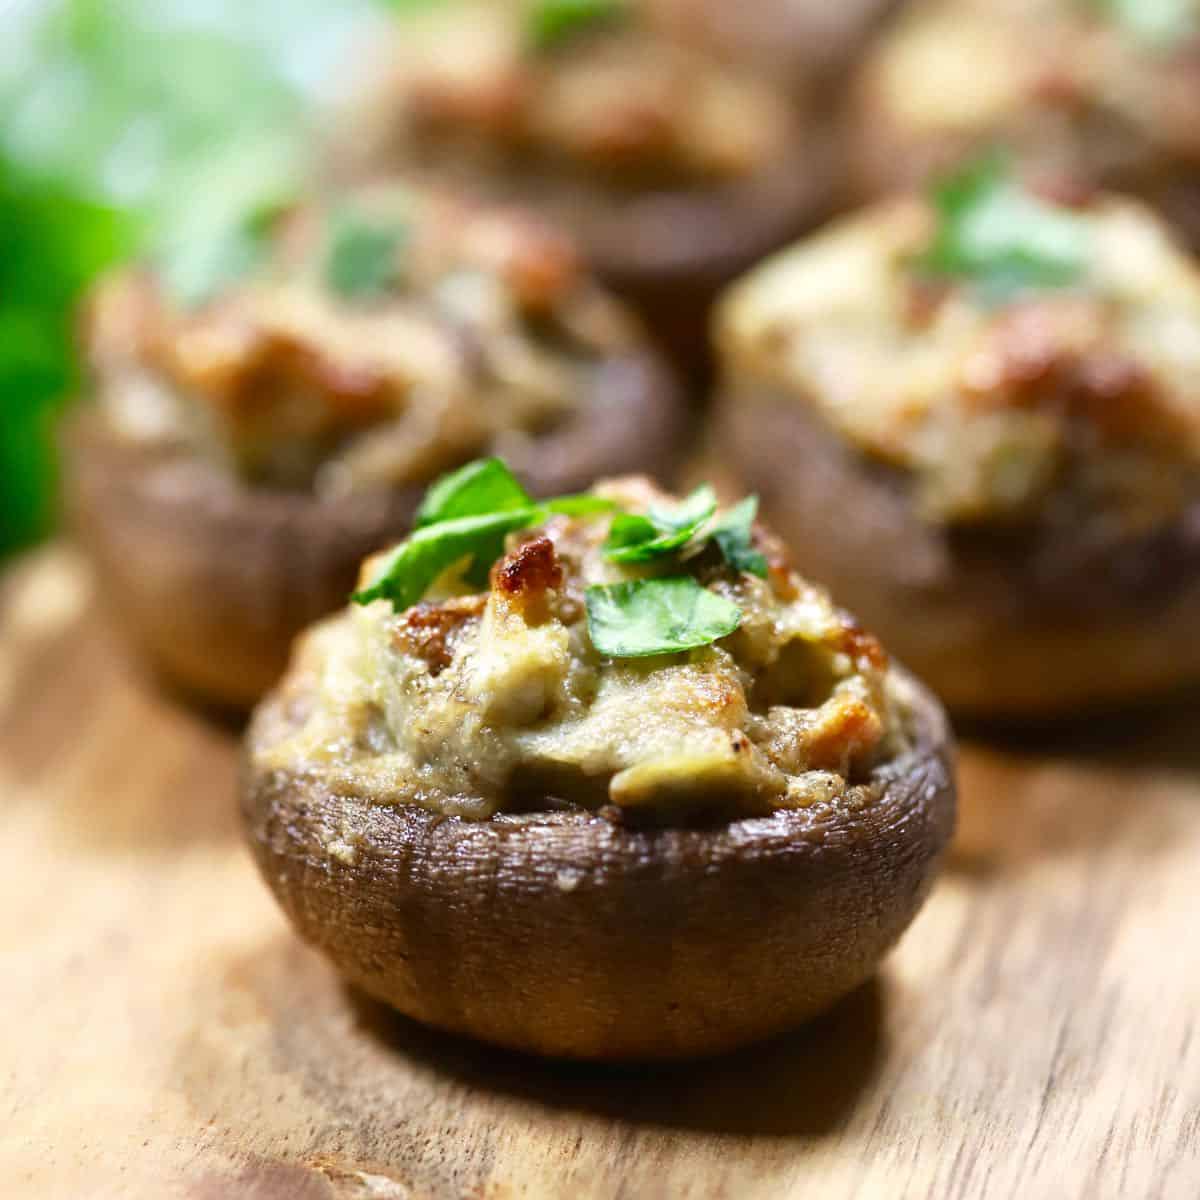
x: 602, y: 778
x: 975, y: 415
x: 674, y: 168
x: 271, y: 405
x: 1099, y: 93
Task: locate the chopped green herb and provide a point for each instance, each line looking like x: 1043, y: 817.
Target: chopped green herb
x: 488, y: 486
x: 657, y: 616
x: 629, y: 532
x: 636, y: 538
x: 412, y: 567
x: 552, y: 22
x: 483, y: 486
x: 1160, y: 23
x: 362, y: 258
x: 467, y: 515
x: 582, y: 505
x: 732, y: 533
x: 465, y: 518
x: 1002, y: 238
x: 661, y: 532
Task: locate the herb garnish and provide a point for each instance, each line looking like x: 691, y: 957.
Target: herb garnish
x: 552, y: 22
x: 637, y: 538
x: 466, y: 516
x: 361, y: 259
x: 732, y: 533
x: 642, y: 617
x: 1002, y: 238
x: 685, y: 530
x: 483, y: 486
x: 413, y: 566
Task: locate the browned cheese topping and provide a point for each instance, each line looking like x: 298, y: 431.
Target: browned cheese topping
x: 370, y: 342
x: 475, y: 703
x: 992, y: 407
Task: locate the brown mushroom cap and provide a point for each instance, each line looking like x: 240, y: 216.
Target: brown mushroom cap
x: 1007, y: 628
x: 565, y: 934
x: 669, y: 254
x: 213, y: 579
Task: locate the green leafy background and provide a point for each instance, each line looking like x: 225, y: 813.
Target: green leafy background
x: 122, y: 123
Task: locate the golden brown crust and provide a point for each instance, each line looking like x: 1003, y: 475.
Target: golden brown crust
x: 429, y: 630
x: 1050, y: 620
x: 1031, y: 358
x: 261, y: 342
x: 483, y: 321
x: 566, y: 934
x: 214, y: 579
x: 1078, y: 396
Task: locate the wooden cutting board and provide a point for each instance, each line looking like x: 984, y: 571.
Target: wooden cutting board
x: 164, y: 1035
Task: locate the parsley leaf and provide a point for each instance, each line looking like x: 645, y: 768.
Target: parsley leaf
x: 361, y: 261
x: 483, y: 486
x: 465, y: 517
x: 488, y: 486
x: 643, y: 617
x: 1002, y: 238
x: 413, y: 566
x: 732, y: 533
x: 660, y: 532
x: 552, y: 22
x: 581, y: 505
x: 637, y: 538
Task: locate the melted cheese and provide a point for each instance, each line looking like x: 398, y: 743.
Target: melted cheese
x: 492, y: 327
x: 981, y: 403
x: 517, y: 706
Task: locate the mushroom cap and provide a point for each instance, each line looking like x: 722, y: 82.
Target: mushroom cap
x: 565, y: 934
x: 213, y: 579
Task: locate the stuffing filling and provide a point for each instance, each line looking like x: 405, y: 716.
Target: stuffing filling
x: 1102, y: 91
x: 1085, y: 394
x: 613, y: 102
x: 472, y: 703
x: 363, y: 344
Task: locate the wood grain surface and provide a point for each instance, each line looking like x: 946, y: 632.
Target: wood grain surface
x: 163, y: 1034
